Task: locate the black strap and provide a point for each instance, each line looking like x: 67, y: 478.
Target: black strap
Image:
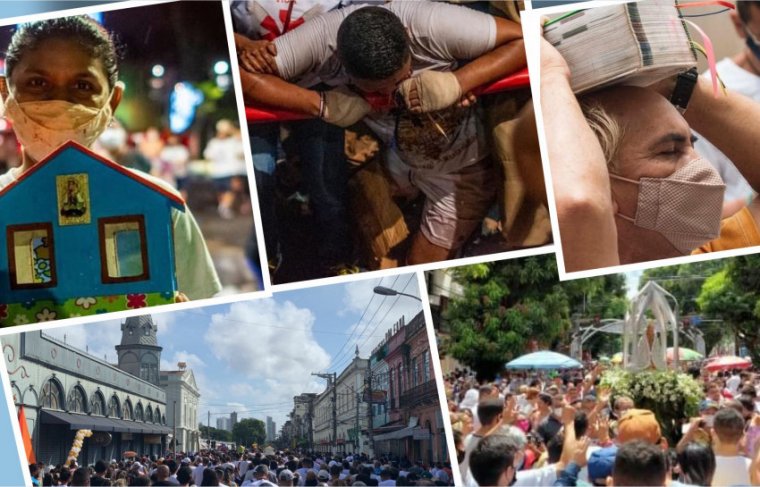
x: 685, y: 84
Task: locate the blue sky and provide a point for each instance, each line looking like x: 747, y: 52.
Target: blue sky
x: 632, y: 281
x: 254, y: 356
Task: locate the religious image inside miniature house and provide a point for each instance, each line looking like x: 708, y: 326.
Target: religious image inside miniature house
x: 164, y: 119
x: 95, y: 237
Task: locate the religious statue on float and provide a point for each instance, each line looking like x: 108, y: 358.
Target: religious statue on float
x: 649, y: 323
x: 650, y: 349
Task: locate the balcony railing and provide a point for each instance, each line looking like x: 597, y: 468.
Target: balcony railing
x: 425, y: 393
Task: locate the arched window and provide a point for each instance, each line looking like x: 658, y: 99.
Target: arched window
x: 157, y: 416
x: 77, y: 401
x: 163, y: 420
x: 98, y: 404
x: 127, y: 410
x: 52, y: 395
x: 149, y: 414
x: 139, y: 415
x: 114, y: 408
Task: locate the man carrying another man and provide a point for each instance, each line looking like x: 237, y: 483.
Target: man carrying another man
x: 411, y: 52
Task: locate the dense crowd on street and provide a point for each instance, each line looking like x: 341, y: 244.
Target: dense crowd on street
x: 252, y: 467
x: 563, y: 428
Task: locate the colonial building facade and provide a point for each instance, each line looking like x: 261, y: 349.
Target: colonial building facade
x: 63, y: 389
x: 398, y: 383
x: 182, y: 399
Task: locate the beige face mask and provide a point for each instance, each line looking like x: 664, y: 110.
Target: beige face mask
x: 685, y: 207
x: 43, y: 126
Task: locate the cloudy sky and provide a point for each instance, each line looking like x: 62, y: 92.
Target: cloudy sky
x: 254, y: 356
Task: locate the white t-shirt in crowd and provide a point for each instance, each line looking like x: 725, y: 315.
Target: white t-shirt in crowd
x: 745, y: 83
x: 733, y: 383
x: 730, y: 471
x: 226, y: 156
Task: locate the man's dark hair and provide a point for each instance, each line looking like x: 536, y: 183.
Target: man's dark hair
x: 101, y: 466
x: 749, y: 391
x: 546, y: 399
x: 744, y: 9
x: 639, y: 463
x: 581, y: 423
x: 491, y: 457
x: 728, y: 425
x: 697, y: 463
x: 137, y: 480
x: 554, y: 448
x: 489, y: 409
x: 34, y: 469
x: 81, y: 476
x: 64, y: 475
x: 372, y: 43
x: 747, y: 402
x: 184, y: 475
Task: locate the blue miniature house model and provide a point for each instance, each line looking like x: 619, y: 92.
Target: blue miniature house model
x: 84, y: 235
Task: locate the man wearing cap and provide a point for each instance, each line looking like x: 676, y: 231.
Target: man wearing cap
x: 640, y: 424
x: 323, y: 476
x: 285, y: 479
x: 261, y: 474
x: 636, y: 425
x: 600, y: 465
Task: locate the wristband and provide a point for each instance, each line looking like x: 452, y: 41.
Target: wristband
x: 685, y: 84
x: 322, y: 105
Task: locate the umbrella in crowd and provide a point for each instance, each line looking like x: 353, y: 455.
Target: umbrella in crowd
x: 728, y: 362
x: 129, y: 454
x: 684, y: 354
x: 544, y: 360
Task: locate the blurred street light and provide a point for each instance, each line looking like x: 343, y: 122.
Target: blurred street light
x: 221, y: 67
x: 158, y: 71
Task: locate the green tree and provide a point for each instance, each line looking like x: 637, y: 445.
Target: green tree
x: 249, y: 431
x: 734, y: 296
x: 507, y: 304
x: 215, y: 434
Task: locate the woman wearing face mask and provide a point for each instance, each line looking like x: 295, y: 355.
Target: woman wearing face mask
x: 61, y: 83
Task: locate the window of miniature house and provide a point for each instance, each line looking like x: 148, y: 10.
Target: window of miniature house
x: 124, y: 254
x: 31, y: 255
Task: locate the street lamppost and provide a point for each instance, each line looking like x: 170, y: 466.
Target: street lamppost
x: 174, y: 433
x: 386, y: 291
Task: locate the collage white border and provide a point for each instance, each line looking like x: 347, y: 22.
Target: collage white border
x: 530, y: 21
x: 531, y: 34
x: 267, y: 290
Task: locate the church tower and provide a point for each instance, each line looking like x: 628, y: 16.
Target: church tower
x: 139, y: 353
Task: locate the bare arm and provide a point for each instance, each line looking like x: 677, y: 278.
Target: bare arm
x: 731, y: 124
x: 270, y: 90
x: 507, y: 57
x: 578, y: 170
